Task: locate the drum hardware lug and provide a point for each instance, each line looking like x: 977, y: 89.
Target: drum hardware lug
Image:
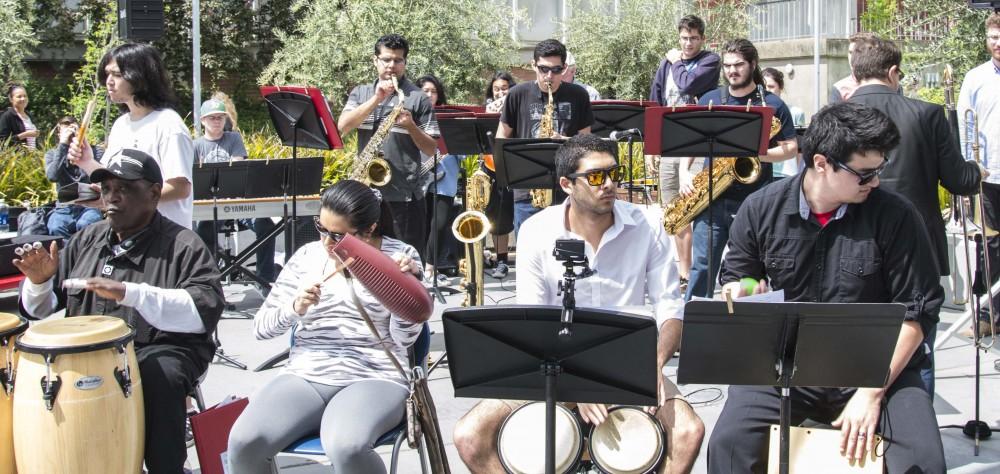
x: 124, y: 381
x: 50, y: 388
x: 7, y: 379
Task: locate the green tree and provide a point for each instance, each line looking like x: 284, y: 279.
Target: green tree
x: 16, y: 40
x: 460, y: 41
x: 618, y: 54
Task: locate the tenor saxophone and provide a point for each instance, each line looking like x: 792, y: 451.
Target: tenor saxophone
x: 470, y: 228
x: 370, y: 167
x: 541, y: 198
x: 725, y: 171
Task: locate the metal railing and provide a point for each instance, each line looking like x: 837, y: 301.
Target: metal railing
x: 787, y: 19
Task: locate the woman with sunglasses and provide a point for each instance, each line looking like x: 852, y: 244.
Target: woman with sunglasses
x: 338, y: 380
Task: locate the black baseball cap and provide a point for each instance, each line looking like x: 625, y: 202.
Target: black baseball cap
x: 131, y: 165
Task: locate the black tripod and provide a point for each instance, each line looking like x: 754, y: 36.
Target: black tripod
x: 434, y: 290
x: 219, y: 352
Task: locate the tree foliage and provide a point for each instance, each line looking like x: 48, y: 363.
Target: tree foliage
x: 16, y: 38
x: 460, y: 41
x: 618, y: 54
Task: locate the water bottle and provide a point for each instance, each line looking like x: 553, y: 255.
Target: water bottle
x: 4, y: 212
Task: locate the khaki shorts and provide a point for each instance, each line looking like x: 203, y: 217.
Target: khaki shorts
x: 669, y: 179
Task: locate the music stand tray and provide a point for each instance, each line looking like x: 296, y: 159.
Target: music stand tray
x: 515, y: 352
x: 789, y: 345
x: 617, y: 115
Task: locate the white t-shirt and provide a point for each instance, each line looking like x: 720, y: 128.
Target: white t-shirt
x: 163, y: 135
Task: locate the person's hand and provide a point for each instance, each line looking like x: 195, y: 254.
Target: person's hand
x: 38, y: 264
x: 308, y: 296
x: 661, y: 395
x: 983, y: 172
x: 685, y: 185
x: 858, y: 423
x: 405, y: 120
x: 674, y: 55
x: 738, y: 290
x: 66, y: 133
x: 406, y: 264
x: 652, y: 163
x: 28, y: 134
x: 496, y: 106
x: 593, y: 413
x: 80, y: 151
x: 105, y: 288
x: 383, y: 89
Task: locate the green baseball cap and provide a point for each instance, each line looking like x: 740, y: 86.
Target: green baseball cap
x: 212, y: 107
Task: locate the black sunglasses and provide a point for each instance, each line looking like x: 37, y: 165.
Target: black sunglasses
x: 597, y: 177
x: 336, y: 237
x: 864, y: 178
x: 553, y: 69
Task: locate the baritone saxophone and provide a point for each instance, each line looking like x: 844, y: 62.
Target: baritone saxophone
x: 471, y: 228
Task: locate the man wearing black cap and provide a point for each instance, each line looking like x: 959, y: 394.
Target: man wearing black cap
x: 151, y: 272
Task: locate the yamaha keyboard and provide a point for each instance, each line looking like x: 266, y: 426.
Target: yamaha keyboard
x: 258, y: 207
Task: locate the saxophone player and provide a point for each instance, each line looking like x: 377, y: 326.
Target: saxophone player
x: 524, y: 110
x: 740, y: 66
x: 415, y: 131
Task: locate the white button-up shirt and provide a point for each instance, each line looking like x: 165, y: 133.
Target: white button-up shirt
x: 981, y: 92
x: 634, y: 259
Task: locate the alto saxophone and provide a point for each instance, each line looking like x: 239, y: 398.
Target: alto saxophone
x: 470, y: 228
x: 683, y: 209
x: 541, y: 198
x: 370, y: 167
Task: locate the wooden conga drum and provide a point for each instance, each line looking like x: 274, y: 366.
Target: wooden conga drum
x: 10, y: 326
x: 78, y: 398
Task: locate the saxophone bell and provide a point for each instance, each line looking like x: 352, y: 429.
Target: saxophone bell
x: 377, y: 172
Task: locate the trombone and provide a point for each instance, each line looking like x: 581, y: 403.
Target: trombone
x: 981, y: 236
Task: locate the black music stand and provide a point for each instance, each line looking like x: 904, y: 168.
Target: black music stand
x: 528, y: 163
x: 617, y: 116
x: 789, y: 345
x: 468, y: 133
x: 515, y: 352
x: 737, y: 131
x: 301, y: 117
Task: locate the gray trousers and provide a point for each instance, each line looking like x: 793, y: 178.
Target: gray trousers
x: 349, y: 420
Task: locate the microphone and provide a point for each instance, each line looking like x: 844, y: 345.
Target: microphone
x: 619, y: 135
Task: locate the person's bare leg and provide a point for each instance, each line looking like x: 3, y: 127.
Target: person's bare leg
x: 475, y: 436
x: 684, y: 430
x: 683, y: 241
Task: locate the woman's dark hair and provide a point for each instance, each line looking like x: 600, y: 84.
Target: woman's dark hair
x: 748, y: 52
x: 838, y: 131
x: 10, y: 87
x: 499, y: 75
x: 776, y: 75
x: 442, y: 98
x: 360, y: 205
x: 142, y: 66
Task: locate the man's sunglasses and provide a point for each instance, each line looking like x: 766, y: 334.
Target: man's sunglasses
x: 335, y: 237
x: 864, y: 178
x: 597, y: 177
x: 553, y: 69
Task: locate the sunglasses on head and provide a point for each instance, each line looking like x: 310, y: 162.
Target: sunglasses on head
x: 336, y: 237
x: 864, y: 178
x: 552, y: 69
x: 598, y: 176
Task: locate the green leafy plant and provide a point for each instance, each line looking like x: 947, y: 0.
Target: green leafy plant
x: 22, y: 174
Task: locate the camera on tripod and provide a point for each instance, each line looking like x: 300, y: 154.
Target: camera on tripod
x: 570, y: 251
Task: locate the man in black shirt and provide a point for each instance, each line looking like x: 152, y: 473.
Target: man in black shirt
x: 151, y: 272
x: 830, y: 235
x: 525, y: 105
x: 746, y: 82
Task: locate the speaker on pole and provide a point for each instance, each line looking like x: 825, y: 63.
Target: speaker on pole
x: 140, y: 20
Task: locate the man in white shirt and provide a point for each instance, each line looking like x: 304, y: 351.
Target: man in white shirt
x: 631, y: 257
x: 981, y: 93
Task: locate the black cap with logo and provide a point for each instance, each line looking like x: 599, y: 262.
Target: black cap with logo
x: 131, y: 165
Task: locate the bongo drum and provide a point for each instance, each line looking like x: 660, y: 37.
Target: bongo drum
x: 630, y: 441
x: 10, y: 326
x: 78, y: 401
x: 521, y: 442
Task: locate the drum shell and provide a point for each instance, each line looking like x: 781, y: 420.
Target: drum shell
x: 10, y: 356
x: 89, y: 430
x: 605, y: 454
x: 532, y: 440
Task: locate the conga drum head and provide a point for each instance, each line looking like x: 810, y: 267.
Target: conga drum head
x: 74, y: 335
x: 11, y: 324
x: 630, y: 441
x: 521, y: 442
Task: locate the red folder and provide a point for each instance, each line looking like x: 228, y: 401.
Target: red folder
x: 211, y: 435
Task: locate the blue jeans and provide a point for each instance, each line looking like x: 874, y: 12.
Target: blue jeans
x: 68, y: 220
x: 722, y: 211
x: 265, y: 253
x: 522, y: 211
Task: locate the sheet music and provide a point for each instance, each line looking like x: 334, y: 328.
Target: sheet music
x: 777, y: 296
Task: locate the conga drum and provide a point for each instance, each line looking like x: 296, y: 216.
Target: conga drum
x: 10, y: 326
x: 521, y: 441
x: 630, y: 441
x: 78, y: 398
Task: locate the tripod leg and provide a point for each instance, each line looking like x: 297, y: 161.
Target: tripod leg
x: 221, y: 354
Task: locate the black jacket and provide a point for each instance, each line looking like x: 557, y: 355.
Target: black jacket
x: 927, y: 153
x: 10, y: 127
